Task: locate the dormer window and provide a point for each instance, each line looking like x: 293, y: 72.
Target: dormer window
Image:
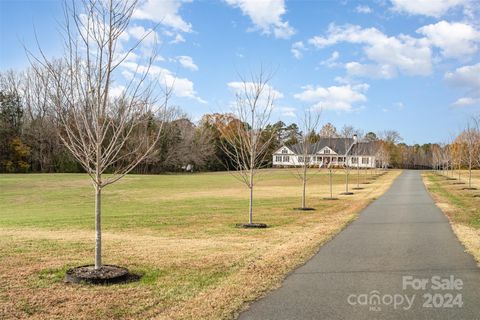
x: 284, y: 151
x: 326, y: 151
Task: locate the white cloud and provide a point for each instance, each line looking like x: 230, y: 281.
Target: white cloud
x: 287, y: 112
x: 148, y: 36
x: 467, y: 77
x: 332, y: 61
x: 340, y: 98
x: 116, y: 90
x: 456, y: 40
x: 182, y: 87
x: 363, y: 9
x: 297, y: 49
x: 432, y: 8
x: 165, y: 12
x: 466, y: 101
x: 383, y: 71
x: 187, y: 62
x: 239, y: 87
x: 178, y: 39
x: 402, y: 53
x: 266, y: 15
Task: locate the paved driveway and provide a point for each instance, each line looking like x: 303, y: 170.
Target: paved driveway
x: 398, y: 260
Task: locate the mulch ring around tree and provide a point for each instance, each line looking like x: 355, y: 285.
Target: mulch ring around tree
x: 107, y: 274
x: 329, y: 198
x: 469, y: 188
x: 251, y: 225
x: 304, y: 209
x: 357, y: 188
x: 346, y: 193
x: 458, y: 182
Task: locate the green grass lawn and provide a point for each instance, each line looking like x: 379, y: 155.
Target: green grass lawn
x: 177, y: 230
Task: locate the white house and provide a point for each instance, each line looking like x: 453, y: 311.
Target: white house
x: 328, y: 151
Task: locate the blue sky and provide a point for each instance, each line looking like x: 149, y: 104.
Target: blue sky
x: 412, y: 66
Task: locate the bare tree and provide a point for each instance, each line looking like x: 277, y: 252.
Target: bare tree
x: 310, y: 122
x: 331, y: 171
x: 328, y: 130
x: 96, y: 126
x: 349, y: 136
x: 382, y: 154
x: 245, y: 141
x: 470, y: 139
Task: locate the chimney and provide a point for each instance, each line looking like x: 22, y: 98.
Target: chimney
x: 355, y: 138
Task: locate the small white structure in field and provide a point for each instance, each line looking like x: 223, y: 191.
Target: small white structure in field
x: 327, y: 151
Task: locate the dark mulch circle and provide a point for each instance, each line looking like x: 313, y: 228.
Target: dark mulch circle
x: 357, y: 188
x: 346, y: 193
x: 330, y: 198
x: 304, y: 209
x: 366, y: 182
x: 458, y: 182
x: 107, y: 274
x: 251, y: 225
x: 469, y: 188
x: 448, y: 178
x: 476, y: 195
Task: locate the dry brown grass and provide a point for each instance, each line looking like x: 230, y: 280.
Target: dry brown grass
x: 210, y: 274
x: 461, y: 208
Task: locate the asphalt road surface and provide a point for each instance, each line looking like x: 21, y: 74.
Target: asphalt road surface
x: 398, y: 260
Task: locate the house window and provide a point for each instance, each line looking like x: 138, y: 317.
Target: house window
x: 278, y: 158
x: 326, y: 151
x: 334, y: 159
x: 284, y: 151
x: 364, y: 160
x: 300, y: 159
x: 286, y: 159
x: 341, y: 159
x: 307, y: 159
x: 354, y: 160
x: 319, y: 159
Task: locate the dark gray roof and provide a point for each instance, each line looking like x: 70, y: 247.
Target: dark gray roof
x: 339, y: 145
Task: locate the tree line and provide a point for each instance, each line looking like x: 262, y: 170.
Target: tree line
x: 30, y: 141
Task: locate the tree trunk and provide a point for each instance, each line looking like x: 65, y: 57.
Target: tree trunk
x: 98, y: 227
x: 331, y: 188
x: 470, y: 174
x: 346, y: 180
x: 250, y: 209
x: 358, y: 173
x: 304, y: 185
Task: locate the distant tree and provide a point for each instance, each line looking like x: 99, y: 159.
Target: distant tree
x: 349, y: 134
x: 310, y: 122
x: 215, y: 125
x: 470, y: 140
x: 245, y: 141
x: 371, y: 136
x: 292, y: 135
x: 328, y: 131
x: 13, y: 152
x: 104, y: 133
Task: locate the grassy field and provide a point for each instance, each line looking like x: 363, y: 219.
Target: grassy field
x: 178, y: 231
x: 462, y: 207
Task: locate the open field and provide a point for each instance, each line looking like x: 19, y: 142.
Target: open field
x: 461, y: 206
x: 176, y: 230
